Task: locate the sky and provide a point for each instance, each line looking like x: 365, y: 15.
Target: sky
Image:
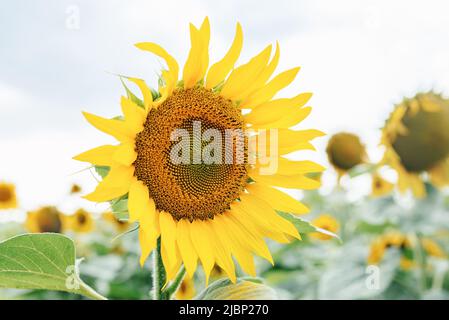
x: 58, y: 58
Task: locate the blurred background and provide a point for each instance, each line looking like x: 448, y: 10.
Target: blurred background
x: 359, y: 58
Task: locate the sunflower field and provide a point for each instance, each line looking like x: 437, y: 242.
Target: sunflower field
x: 214, y: 174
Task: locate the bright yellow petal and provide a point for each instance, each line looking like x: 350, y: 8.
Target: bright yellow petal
x: 168, y: 235
x: 202, y: 245
x: 170, y: 77
x: 198, y: 59
x: 237, y: 83
x: 290, y: 182
x: 146, y: 92
x: 247, y: 235
x: 100, y: 156
x: 221, y: 69
x: 275, y: 110
x: 147, y: 244
x: 171, y: 265
x: 277, y: 199
x: 116, y: 128
x: 125, y: 154
x: 264, y: 227
x: 134, y: 115
x: 291, y: 140
x: 114, y: 185
x: 186, y: 248
x: 221, y: 250
x: 270, y: 89
x: 288, y: 167
x: 256, y: 206
x: 239, y: 250
x: 139, y: 202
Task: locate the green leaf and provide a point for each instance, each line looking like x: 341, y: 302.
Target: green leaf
x: 44, y: 261
x: 243, y: 289
x: 305, y: 227
x: 102, y: 171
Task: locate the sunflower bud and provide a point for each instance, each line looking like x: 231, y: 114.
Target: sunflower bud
x: 46, y: 219
x: 426, y: 140
x: 345, y: 151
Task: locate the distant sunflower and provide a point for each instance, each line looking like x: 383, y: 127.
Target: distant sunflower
x: 416, y: 138
x: 75, y: 189
x: 45, y: 219
x: 8, y: 198
x: 326, y: 222
x: 206, y: 212
x: 402, y: 242
x: 81, y: 221
x: 120, y: 225
x: 345, y: 151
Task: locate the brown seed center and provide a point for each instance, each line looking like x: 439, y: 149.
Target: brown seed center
x: 196, y: 188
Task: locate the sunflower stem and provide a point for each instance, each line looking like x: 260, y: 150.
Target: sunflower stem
x: 159, y: 274
x: 174, y: 286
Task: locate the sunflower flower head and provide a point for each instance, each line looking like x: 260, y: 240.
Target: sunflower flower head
x: 81, y: 221
x: 45, y: 219
x: 325, y: 222
x: 345, y: 151
x: 8, y: 198
x: 195, y: 169
x: 416, y: 140
x: 119, y: 224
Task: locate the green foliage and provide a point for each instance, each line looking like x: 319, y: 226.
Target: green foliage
x: 41, y: 261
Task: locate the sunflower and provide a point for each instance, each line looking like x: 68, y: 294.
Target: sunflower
x: 8, y: 198
x: 81, y: 221
x: 402, y: 242
x: 120, y: 225
x: 186, y: 290
x: 345, y: 151
x: 75, y: 188
x: 326, y: 222
x: 380, y: 186
x: 45, y: 219
x: 207, y: 211
x: 416, y: 141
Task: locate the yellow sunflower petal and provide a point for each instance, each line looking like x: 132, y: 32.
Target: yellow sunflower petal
x: 297, y: 181
x: 274, y: 110
x: 247, y: 73
x: 248, y: 236
x: 171, y: 264
x: 291, y: 140
x: 257, y: 206
x: 170, y: 77
x: 125, y: 154
x: 168, y: 235
x: 146, y: 92
x: 265, y: 227
x: 116, y: 128
x: 114, y: 185
x: 222, y: 250
x: 287, y: 120
x: 198, y: 59
x: 239, y: 250
x: 147, y: 244
x: 100, y: 156
x: 277, y: 199
x: 202, y: 245
x: 186, y: 248
x: 134, y: 115
x: 270, y: 89
x: 221, y: 69
x: 139, y: 202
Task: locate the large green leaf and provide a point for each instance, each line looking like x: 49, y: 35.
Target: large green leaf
x: 305, y: 227
x: 44, y: 261
x: 243, y: 289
